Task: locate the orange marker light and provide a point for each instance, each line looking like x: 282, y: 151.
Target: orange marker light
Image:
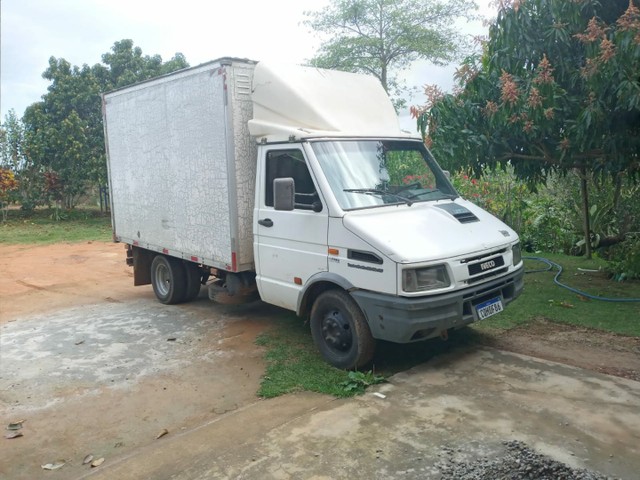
x: 297, y: 280
x: 334, y: 251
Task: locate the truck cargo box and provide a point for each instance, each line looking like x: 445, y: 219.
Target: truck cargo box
x: 182, y: 164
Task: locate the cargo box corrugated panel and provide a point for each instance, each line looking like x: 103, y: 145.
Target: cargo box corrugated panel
x: 182, y: 163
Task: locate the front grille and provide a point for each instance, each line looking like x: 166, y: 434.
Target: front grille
x: 492, y: 273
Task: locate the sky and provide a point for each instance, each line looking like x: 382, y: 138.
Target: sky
x: 80, y: 31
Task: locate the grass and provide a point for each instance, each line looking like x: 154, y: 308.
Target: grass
x: 295, y: 365
x: 42, y: 227
x: 542, y: 298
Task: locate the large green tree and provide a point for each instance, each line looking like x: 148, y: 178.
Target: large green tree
x: 11, y: 140
x: 61, y: 131
x: 557, y: 89
x: 383, y: 37
x: 12, y: 153
x: 64, y: 133
x: 125, y: 64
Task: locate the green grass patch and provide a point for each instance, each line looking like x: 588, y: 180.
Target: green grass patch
x: 294, y: 364
x: 45, y: 226
x: 542, y: 298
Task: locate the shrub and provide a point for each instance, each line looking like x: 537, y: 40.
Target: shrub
x: 625, y: 259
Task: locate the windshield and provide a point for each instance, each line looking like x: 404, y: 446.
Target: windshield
x: 369, y: 173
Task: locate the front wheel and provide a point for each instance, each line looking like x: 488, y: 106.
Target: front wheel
x: 168, y: 277
x: 340, y: 330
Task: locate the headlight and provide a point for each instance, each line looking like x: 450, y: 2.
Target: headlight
x: 517, y: 254
x: 421, y: 279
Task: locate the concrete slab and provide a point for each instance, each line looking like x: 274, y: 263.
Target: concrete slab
x: 106, y: 378
x: 460, y: 406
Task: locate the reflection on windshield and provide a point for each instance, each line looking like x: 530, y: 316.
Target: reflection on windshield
x: 369, y: 173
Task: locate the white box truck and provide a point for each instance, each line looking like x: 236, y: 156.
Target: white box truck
x: 297, y: 183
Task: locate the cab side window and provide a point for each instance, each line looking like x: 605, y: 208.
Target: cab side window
x: 290, y: 164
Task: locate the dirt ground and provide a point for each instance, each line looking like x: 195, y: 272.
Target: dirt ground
x: 581, y: 347
x: 38, y: 279
x: 43, y: 287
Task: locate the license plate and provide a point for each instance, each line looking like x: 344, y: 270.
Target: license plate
x: 488, y: 308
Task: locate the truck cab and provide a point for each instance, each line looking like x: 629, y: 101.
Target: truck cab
x: 363, y: 233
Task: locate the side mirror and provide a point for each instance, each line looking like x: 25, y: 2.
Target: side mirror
x: 447, y: 174
x: 283, y: 193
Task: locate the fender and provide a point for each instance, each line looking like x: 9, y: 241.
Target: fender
x: 321, y: 277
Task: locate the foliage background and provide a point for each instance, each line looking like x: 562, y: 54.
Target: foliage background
x: 553, y: 102
x: 56, y: 150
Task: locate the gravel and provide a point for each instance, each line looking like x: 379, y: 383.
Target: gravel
x: 519, y: 463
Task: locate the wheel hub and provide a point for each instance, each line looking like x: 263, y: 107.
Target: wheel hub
x: 336, y: 331
x: 163, y: 279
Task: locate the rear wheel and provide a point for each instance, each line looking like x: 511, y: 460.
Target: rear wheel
x: 340, y: 330
x: 168, y: 277
x: 194, y: 280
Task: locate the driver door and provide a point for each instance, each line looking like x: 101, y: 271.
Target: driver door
x: 290, y: 246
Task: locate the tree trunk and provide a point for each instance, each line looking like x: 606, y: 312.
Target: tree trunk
x: 616, y: 192
x: 383, y: 78
x: 585, y: 212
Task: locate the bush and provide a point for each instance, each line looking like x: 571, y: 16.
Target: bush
x: 549, y: 219
x: 498, y: 192
x: 625, y: 259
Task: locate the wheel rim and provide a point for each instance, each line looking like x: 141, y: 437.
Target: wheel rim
x: 163, y: 280
x: 336, y: 332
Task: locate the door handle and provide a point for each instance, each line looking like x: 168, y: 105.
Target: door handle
x: 267, y: 222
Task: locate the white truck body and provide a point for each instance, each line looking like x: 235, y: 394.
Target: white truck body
x: 300, y: 181
x: 182, y: 164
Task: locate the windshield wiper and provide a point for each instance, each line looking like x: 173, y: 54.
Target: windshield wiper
x: 374, y: 191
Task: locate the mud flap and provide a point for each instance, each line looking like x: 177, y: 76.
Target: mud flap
x: 141, y: 260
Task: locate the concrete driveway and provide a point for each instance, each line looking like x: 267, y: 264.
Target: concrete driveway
x: 459, y: 407
x: 107, y: 378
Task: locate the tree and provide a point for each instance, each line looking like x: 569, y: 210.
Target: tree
x: 8, y: 184
x: 11, y: 142
x: 125, y: 65
x: 13, y: 158
x: 557, y: 89
x: 64, y: 133
x: 383, y: 37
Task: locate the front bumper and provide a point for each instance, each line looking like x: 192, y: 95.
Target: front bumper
x: 404, y: 320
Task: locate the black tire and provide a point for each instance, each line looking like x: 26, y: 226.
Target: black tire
x: 168, y: 277
x: 194, y: 280
x: 340, y: 331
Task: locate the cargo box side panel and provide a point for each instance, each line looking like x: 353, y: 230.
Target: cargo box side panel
x: 245, y: 153
x: 168, y: 165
